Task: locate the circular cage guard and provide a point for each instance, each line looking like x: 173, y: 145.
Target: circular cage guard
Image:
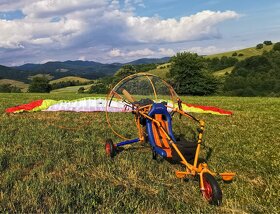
x: 142, y: 87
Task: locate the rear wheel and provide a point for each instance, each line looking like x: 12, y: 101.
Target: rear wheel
x: 212, y: 191
x: 110, y: 148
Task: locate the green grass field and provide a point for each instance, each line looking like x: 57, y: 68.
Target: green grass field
x: 55, y: 161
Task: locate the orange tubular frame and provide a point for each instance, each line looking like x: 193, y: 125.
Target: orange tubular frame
x: 191, y: 170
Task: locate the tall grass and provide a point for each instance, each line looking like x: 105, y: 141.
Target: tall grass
x: 55, y: 161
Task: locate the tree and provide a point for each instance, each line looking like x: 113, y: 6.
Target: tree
x: 39, y: 85
x: 188, y: 75
x: 255, y: 76
x: 267, y: 42
x: 259, y: 46
x: 125, y: 71
x: 234, y: 54
x: 276, y: 46
x: 8, y: 88
x: 81, y: 90
x: 99, y: 88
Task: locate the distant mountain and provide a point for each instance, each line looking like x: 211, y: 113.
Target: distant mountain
x: 150, y: 61
x: 84, y: 69
x: 12, y: 73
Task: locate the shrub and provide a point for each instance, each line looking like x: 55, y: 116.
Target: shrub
x: 99, y: 88
x: 81, y: 90
x: 8, y: 88
x: 188, y: 76
x: 259, y: 46
x: 40, y: 85
x: 234, y: 54
x: 276, y: 46
x: 267, y: 42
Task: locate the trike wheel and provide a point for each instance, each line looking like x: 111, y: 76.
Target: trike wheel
x: 110, y: 148
x: 212, y: 191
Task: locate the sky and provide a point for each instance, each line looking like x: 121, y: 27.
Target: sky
x: 107, y: 31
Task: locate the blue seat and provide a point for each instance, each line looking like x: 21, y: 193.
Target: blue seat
x: 157, y: 139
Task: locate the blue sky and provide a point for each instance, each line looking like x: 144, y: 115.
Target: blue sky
x: 38, y: 31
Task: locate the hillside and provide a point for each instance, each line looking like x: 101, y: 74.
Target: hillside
x: 149, y: 61
x: 163, y: 69
x: 23, y: 86
x: 223, y: 72
x: 70, y: 78
x: 84, y: 69
x: 78, y: 68
x: 13, y: 74
x: 247, y: 52
x: 71, y: 89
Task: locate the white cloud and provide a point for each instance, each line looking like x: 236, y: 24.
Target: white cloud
x: 209, y: 49
x: 198, y: 26
x: 134, y: 53
x: 204, y: 50
x: 115, y: 53
x: 39, y: 32
x: 130, y: 5
x: 146, y: 52
x: 166, y: 52
x: 46, y: 8
x: 83, y: 58
x: 83, y: 24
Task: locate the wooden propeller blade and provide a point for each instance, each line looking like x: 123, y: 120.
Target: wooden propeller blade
x: 128, y: 96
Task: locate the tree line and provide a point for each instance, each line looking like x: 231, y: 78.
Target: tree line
x: 191, y: 74
x: 256, y: 75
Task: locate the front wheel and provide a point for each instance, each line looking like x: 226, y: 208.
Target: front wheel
x: 212, y: 191
x: 110, y: 148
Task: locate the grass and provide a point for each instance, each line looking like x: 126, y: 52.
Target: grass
x: 223, y: 72
x: 70, y: 78
x: 161, y: 70
x: 55, y: 161
x: 247, y: 52
x: 71, y: 89
x: 16, y: 83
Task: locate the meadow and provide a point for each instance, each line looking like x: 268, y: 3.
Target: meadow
x: 55, y: 161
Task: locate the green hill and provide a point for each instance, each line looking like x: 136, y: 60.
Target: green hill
x: 70, y: 78
x: 247, y: 52
x: 163, y: 69
x: 23, y: 86
x: 71, y: 89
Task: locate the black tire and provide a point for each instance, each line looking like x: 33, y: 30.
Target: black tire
x: 110, y: 148
x: 212, y: 193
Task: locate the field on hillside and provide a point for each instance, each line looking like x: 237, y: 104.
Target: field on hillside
x: 70, y: 78
x: 71, y: 89
x: 16, y: 83
x: 163, y: 69
x: 247, y: 52
x: 55, y: 161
